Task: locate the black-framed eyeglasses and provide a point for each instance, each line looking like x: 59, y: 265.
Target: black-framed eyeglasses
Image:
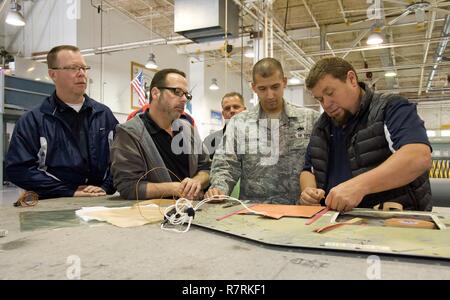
x: 73, y: 68
x: 177, y: 91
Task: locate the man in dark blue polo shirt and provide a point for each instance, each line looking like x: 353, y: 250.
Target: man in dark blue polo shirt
x: 367, y: 148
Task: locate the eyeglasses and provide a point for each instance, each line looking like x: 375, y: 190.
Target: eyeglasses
x: 177, y: 91
x: 74, y: 69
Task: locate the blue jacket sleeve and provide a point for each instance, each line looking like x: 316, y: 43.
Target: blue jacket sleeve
x: 108, y: 184
x: 22, y: 162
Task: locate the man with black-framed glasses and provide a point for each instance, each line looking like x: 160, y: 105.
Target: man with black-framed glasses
x: 157, y: 154
x: 61, y: 148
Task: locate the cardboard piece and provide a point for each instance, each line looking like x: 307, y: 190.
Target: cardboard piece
x: 409, y: 223
x: 277, y: 211
x: 141, y: 213
x: 354, y: 221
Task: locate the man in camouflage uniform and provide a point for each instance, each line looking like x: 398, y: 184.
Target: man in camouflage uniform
x: 264, y: 146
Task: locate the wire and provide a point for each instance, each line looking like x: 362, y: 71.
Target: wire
x: 27, y: 199
x: 286, y: 15
x: 183, y: 211
x: 137, y: 204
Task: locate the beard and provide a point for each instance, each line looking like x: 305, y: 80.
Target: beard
x: 342, y: 119
x: 165, y: 108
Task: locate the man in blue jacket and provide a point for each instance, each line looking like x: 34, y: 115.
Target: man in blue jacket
x: 61, y: 147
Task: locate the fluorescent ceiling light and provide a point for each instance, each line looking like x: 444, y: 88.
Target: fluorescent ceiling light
x: 294, y: 81
x: 390, y: 74
x: 445, y: 132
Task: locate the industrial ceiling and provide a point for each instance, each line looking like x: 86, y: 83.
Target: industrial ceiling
x: 415, y: 38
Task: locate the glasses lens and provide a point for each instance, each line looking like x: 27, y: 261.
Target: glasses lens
x: 79, y: 68
x: 178, y: 92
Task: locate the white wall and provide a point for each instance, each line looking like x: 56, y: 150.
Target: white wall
x: 294, y: 94
x: 115, y: 68
x: 112, y: 26
x: 205, y: 99
x: 49, y: 23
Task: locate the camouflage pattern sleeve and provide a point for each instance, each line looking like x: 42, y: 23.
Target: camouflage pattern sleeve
x: 226, y: 165
x: 204, y: 161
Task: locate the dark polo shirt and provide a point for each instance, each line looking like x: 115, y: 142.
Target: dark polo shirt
x: 176, y: 163
x: 402, y: 126
x: 77, y: 122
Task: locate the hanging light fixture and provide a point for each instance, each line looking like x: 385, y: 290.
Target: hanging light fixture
x: 151, y: 62
x: 15, y: 17
x: 214, y: 86
x: 374, y: 39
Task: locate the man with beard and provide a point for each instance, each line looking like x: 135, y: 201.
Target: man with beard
x: 367, y: 148
x: 61, y: 148
x: 157, y: 154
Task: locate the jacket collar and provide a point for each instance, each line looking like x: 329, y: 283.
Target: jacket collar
x: 288, y: 109
x: 50, y: 104
x: 366, y: 98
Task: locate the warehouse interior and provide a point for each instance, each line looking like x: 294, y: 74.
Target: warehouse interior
x: 412, y: 59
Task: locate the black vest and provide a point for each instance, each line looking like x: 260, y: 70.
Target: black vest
x: 368, y: 148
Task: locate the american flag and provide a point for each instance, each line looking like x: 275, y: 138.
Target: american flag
x: 138, y: 86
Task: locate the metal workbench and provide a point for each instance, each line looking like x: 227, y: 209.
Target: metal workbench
x: 39, y: 248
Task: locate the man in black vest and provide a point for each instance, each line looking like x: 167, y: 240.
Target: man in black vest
x: 367, y: 148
